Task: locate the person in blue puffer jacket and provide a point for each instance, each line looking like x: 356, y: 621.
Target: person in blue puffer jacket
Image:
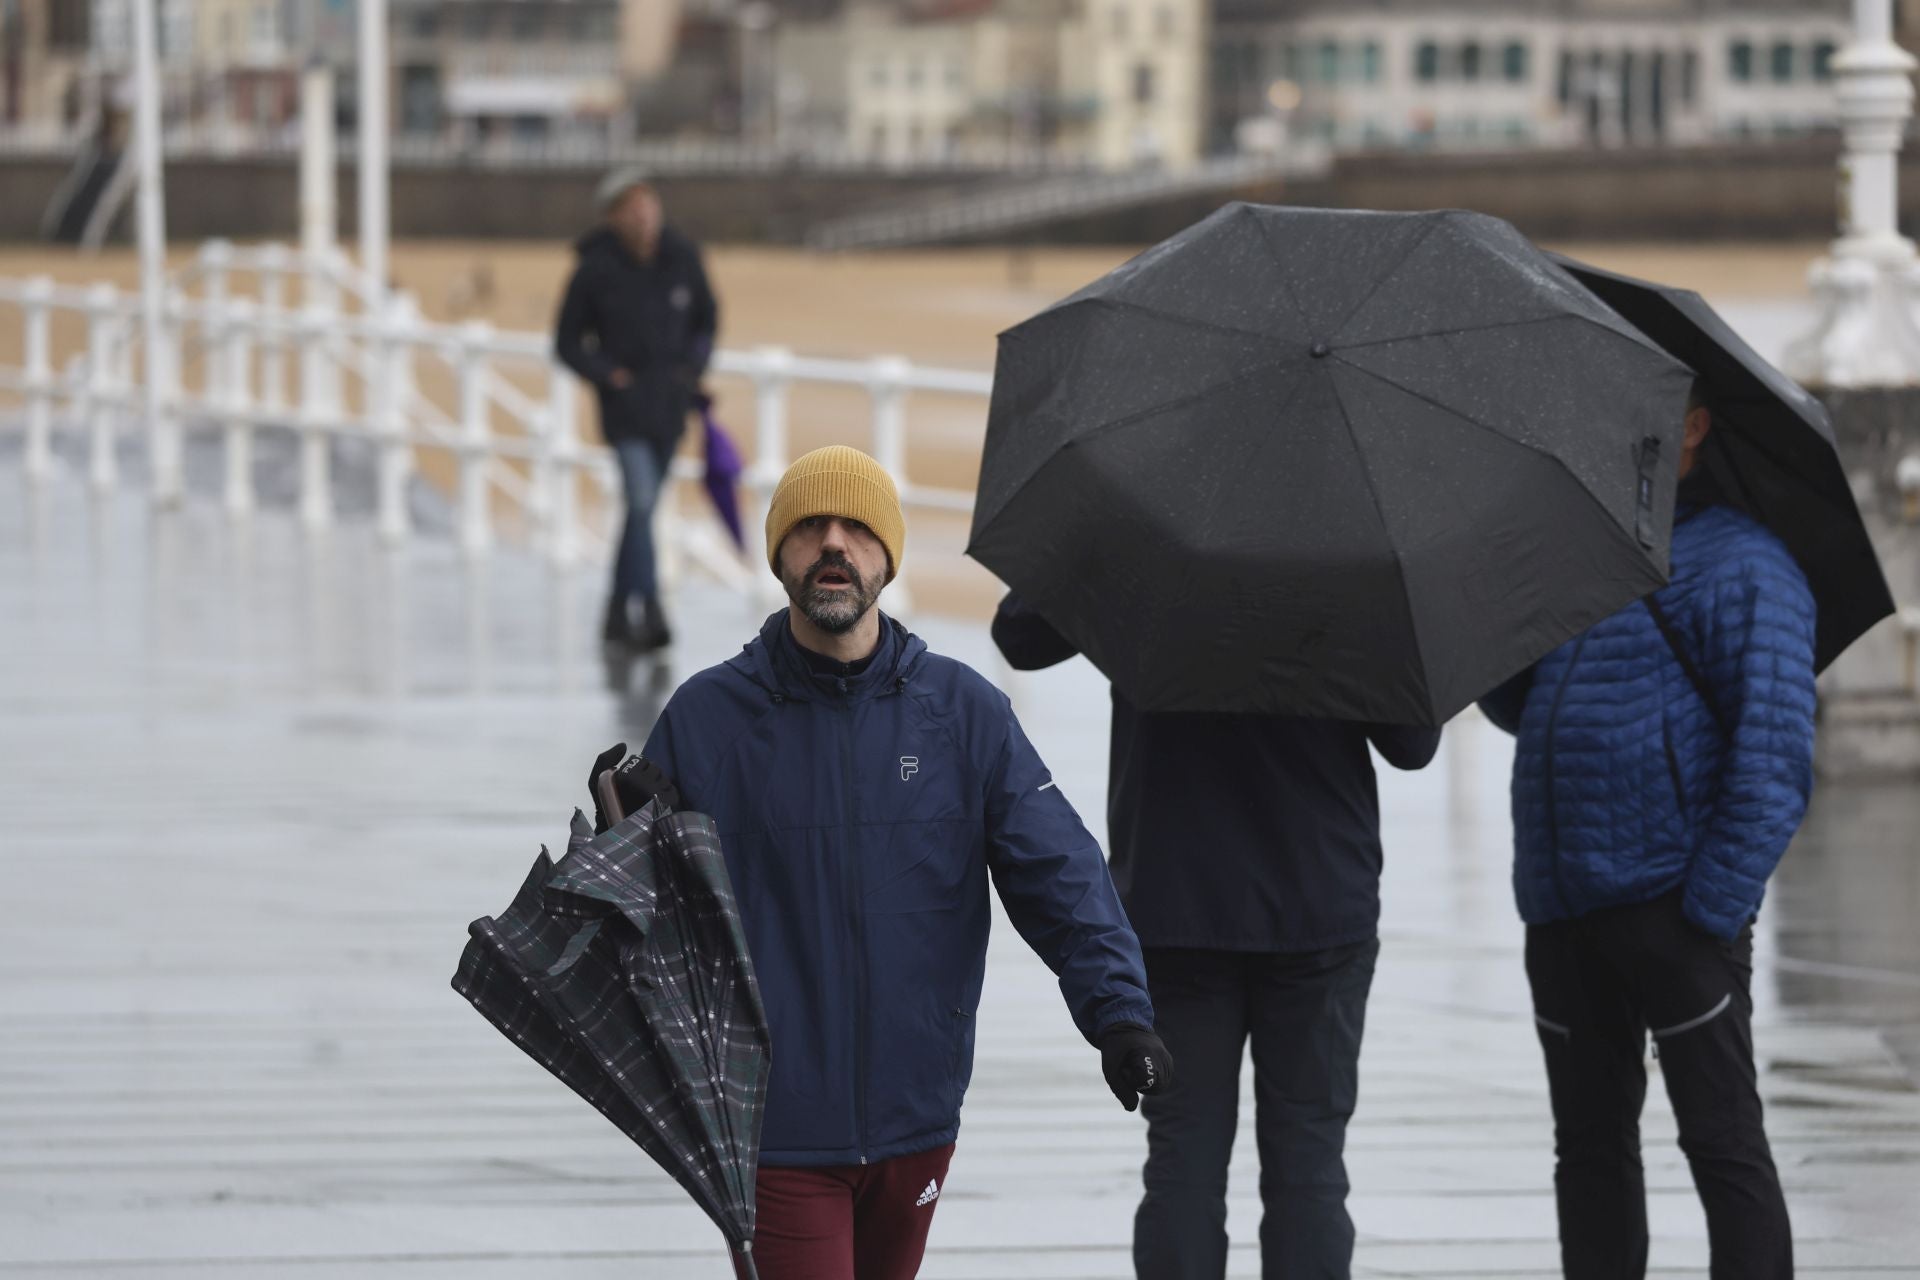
x: 1663, y: 762
x: 866, y: 791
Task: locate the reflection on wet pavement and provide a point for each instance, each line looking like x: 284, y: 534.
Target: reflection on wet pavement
x: 256, y: 785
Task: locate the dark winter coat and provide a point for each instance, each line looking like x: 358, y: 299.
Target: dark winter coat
x: 1625, y: 784
x: 862, y: 815
x: 1237, y: 832
x: 655, y: 319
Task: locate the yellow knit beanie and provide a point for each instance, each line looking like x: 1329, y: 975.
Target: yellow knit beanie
x: 837, y: 481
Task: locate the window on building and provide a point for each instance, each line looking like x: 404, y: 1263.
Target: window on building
x: 877, y: 73
x: 474, y: 22
x: 1780, y: 61
x: 1740, y: 60
x: 424, y: 23
x: 1370, y: 62
x: 1143, y: 83
x: 1470, y: 60
x: 1120, y: 20
x: 1327, y: 64
x: 526, y: 22
x: 956, y: 73
x: 266, y: 24
x: 1513, y: 62
x: 1426, y: 62
x: 1291, y: 56
x: 1823, y: 61
x: 1163, y: 21
x: 1689, y: 76
x: 916, y: 74
x: 1563, y: 82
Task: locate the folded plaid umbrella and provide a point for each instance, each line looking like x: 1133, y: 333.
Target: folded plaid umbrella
x: 624, y: 971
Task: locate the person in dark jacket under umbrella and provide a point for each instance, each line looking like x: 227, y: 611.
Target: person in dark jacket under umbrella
x: 1664, y: 760
x: 1246, y: 849
x: 638, y: 322
x: 865, y: 791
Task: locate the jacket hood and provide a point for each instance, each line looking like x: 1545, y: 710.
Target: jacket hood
x: 773, y: 661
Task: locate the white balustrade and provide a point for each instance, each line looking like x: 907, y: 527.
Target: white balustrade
x: 104, y: 326
x: 38, y: 308
x: 476, y: 531
x: 522, y: 450
x: 236, y: 403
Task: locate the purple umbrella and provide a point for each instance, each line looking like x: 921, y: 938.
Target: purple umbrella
x: 723, y: 476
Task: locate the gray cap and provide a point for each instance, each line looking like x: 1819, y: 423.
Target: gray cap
x: 618, y: 183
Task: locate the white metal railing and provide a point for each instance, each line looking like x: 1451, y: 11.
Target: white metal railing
x: 325, y: 372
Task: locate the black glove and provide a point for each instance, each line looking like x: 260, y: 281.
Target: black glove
x: 1135, y: 1062
x: 636, y: 782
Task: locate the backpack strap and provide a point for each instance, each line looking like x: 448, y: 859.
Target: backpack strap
x: 1671, y: 635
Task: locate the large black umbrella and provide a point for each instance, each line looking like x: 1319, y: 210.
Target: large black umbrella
x: 1771, y: 451
x: 624, y: 971
x: 1330, y: 463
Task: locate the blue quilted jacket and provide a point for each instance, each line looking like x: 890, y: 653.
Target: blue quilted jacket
x: 1625, y: 785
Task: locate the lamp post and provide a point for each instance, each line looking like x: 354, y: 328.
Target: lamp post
x: 372, y: 114
x: 1866, y: 336
x: 150, y: 217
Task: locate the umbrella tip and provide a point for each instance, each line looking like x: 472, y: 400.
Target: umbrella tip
x: 1319, y: 351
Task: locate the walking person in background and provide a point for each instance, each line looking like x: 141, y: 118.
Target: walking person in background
x: 866, y: 792
x: 638, y: 322
x: 1664, y: 761
x: 1246, y: 849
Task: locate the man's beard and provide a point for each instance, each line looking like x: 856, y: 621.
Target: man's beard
x: 835, y: 611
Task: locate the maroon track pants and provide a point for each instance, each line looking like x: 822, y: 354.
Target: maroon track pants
x: 852, y: 1222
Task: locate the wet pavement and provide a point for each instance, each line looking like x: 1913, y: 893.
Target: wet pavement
x: 254, y: 787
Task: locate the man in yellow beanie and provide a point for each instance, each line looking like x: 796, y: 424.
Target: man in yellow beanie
x: 866, y: 790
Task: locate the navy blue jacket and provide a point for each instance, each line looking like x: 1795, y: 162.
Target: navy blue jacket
x: 1625, y: 786
x: 655, y: 319
x: 862, y: 816
x: 1237, y: 832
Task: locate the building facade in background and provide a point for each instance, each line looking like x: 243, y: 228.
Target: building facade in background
x: 1413, y: 74
x: 1115, y: 84
x: 1111, y: 83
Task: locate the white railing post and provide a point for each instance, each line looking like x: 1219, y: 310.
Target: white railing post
x: 273, y: 355
x: 472, y: 366
x: 37, y: 304
x: 563, y: 543
x: 771, y: 381
x: 316, y: 421
x: 166, y: 446
x: 889, y: 392
x: 235, y: 371
x: 102, y: 364
x: 216, y: 262
x: 394, y: 385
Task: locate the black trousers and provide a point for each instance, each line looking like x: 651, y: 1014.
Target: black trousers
x: 1601, y: 985
x: 1304, y: 1014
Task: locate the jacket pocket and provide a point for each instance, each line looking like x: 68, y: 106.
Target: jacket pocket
x: 1673, y: 770
x: 960, y: 1069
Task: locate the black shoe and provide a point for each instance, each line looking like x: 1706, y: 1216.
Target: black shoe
x: 618, y: 628
x: 654, y: 631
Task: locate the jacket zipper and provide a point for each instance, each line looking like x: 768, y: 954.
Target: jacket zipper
x: 1553, y: 806
x: 855, y: 924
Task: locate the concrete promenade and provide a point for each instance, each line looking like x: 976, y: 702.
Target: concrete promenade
x: 252, y: 789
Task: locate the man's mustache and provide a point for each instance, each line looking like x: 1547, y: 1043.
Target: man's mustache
x: 837, y: 563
